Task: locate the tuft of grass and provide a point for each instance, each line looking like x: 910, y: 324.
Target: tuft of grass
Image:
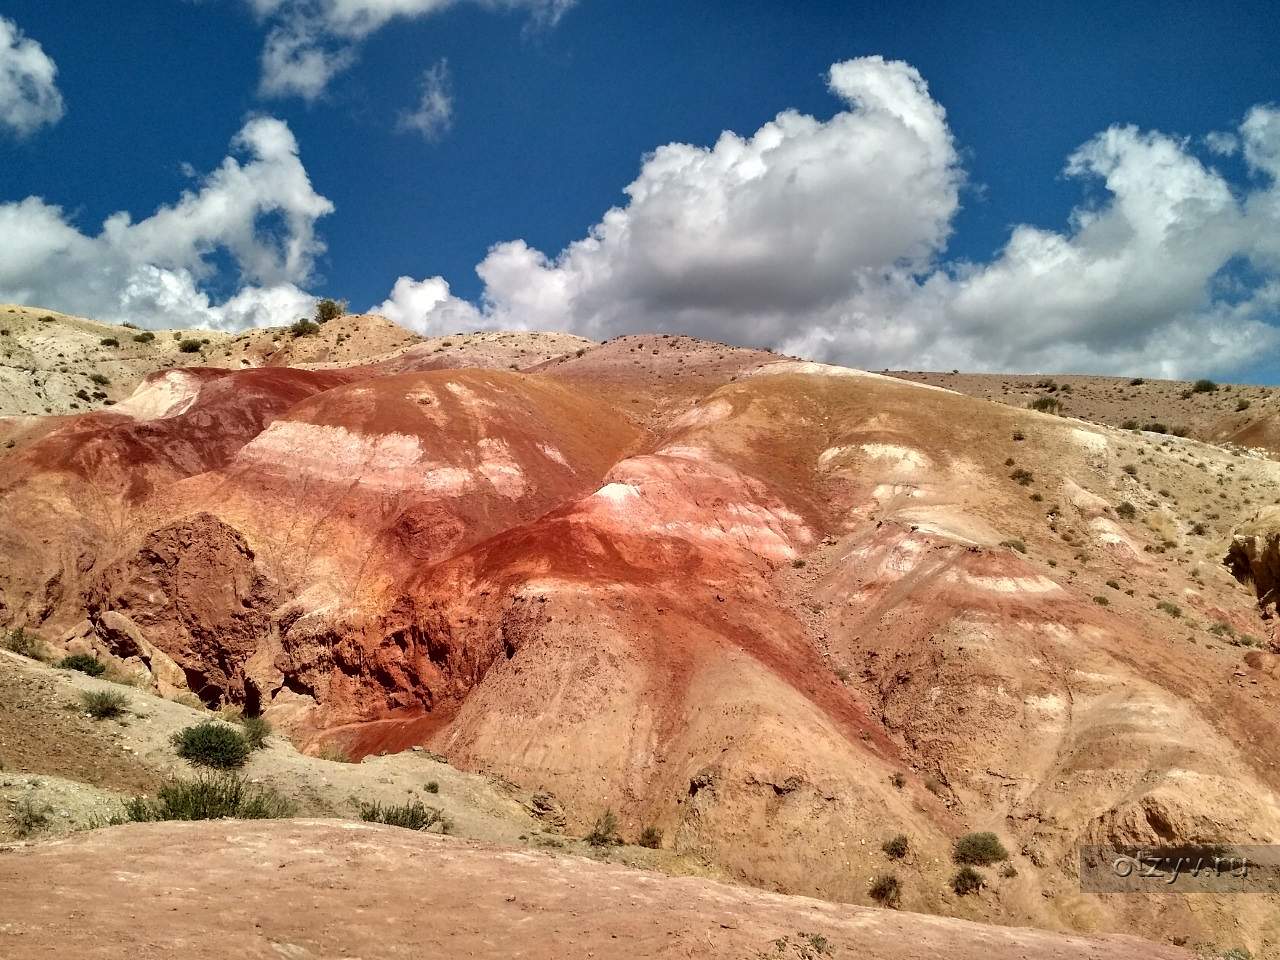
x: 1014, y: 545
x: 334, y: 754
x: 896, y: 847
x: 84, y: 663
x: 604, y: 833
x: 211, y: 796
x: 898, y: 780
x: 1172, y: 609
x: 1021, y: 476
x: 28, y: 818
x: 1126, y: 510
x: 886, y: 891
x: 255, y: 731
x: 1101, y: 601
x: 966, y: 881
x: 432, y: 787
x: 24, y: 644
x: 103, y: 704
x: 414, y: 815
x: 981, y: 848
x: 189, y: 346
x: 211, y: 744
x: 650, y: 837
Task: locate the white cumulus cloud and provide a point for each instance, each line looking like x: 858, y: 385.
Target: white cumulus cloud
x: 827, y: 238
x: 29, y: 95
x: 260, y: 212
x: 309, y: 42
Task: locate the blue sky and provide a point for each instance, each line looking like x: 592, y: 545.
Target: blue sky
x: 554, y: 111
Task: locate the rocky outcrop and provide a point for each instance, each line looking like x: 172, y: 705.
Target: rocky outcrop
x: 1254, y: 557
x: 192, y: 598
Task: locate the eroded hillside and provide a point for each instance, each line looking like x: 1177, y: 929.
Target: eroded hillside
x: 780, y: 611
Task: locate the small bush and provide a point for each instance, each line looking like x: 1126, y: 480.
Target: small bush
x: 1136, y: 382
x: 146, y: 336
x: 1019, y: 436
x: 208, y: 797
x: 210, y: 744
x: 1172, y: 609
x: 335, y: 754
x: 896, y: 847
x: 327, y: 310
x: 650, y: 837
x: 1008, y: 871
x: 304, y: 328
x: 255, y: 730
x: 28, y: 818
x: 981, y: 849
x: 432, y: 787
x: 1156, y: 428
x: 1101, y: 601
x: 1126, y: 510
x: 604, y: 833
x: 109, y: 342
x: 84, y: 663
x: 898, y: 781
x: 1014, y: 545
x: 1204, y: 386
x: 414, y: 815
x: 1242, y: 405
x: 103, y: 704
x: 1021, y: 476
x: 966, y: 881
x: 189, y: 346
x: 100, y: 379
x: 1131, y: 469
x: 24, y: 644
x: 1045, y: 404
x: 886, y: 891
x: 1129, y: 425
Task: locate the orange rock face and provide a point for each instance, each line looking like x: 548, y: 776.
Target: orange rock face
x: 779, y: 610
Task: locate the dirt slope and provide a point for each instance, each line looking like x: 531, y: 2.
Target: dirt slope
x: 780, y: 611
x: 324, y: 889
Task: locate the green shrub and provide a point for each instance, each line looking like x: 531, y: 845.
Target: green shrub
x: 1204, y: 386
x: 304, y: 328
x: 432, y: 787
x: 103, y: 704
x: 1136, y: 382
x: 981, y: 849
x: 146, y: 336
x: 898, y: 780
x: 1172, y: 609
x: 1101, y: 601
x: 189, y: 346
x: 1129, y: 425
x: 24, y: 644
x: 1021, y: 476
x: 896, y: 847
x: 28, y: 818
x: 327, y: 310
x: 1242, y: 405
x: 966, y: 881
x: 886, y: 891
x: 109, y: 342
x: 413, y: 815
x: 604, y: 832
x: 84, y: 663
x: 208, y: 797
x: 255, y: 730
x: 1045, y: 404
x: 211, y: 744
x: 100, y: 379
x: 650, y: 837
x: 1126, y: 510
x: 1156, y: 428
x: 1014, y: 545
x: 1131, y: 469
x: 335, y: 754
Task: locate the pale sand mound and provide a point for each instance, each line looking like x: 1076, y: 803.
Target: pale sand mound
x: 318, y: 888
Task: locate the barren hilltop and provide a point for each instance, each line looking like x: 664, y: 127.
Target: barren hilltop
x: 719, y: 618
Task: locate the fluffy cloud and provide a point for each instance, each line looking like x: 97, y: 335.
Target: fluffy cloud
x: 434, y: 114
x: 309, y: 42
x: 261, y: 213
x: 825, y: 238
x: 29, y: 96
